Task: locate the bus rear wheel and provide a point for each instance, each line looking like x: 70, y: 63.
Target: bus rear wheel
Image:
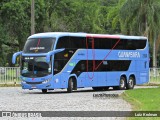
x: 122, y: 85
x: 130, y: 84
x: 44, y: 90
x: 70, y: 85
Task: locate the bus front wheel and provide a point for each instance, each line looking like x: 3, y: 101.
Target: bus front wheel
x: 70, y: 85
x: 44, y: 90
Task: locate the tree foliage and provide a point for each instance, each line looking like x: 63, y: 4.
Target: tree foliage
x: 130, y: 17
x: 138, y: 17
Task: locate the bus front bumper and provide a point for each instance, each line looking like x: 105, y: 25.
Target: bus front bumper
x: 36, y: 83
x: 35, y: 86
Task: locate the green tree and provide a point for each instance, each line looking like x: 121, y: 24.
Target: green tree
x: 15, y: 19
x: 15, y: 16
x: 143, y: 18
x: 113, y: 16
x: 75, y: 16
x: 138, y: 17
x: 15, y: 29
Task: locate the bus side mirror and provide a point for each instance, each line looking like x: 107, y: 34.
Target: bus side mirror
x: 15, y: 56
x: 52, y: 53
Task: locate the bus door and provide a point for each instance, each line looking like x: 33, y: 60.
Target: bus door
x: 79, y: 70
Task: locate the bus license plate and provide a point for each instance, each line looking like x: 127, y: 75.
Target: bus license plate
x: 33, y: 87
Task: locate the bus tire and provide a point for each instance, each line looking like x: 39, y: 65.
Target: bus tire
x: 122, y: 83
x: 44, y: 90
x: 70, y: 85
x: 131, y: 83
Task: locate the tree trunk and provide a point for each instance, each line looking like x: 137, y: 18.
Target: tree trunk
x: 154, y: 57
x: 32, y: 18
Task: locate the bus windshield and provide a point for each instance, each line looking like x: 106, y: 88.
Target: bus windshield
x: 35, y: 67
x: 39, y: 45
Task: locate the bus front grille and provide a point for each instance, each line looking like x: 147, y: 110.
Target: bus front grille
x: 34, y: 82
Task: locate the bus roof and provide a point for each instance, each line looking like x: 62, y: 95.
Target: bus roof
x: 57, y: 34
x: 60, y: 34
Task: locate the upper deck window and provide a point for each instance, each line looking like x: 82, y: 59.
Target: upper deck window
x: 39, y: 45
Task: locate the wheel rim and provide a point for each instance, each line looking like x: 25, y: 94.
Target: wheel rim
x: 72, y: 85
x: 44, y: 90
x: 122, y: 83
x: 131, y: 82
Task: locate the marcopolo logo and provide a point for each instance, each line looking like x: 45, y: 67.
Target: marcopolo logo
x: 129, y: 54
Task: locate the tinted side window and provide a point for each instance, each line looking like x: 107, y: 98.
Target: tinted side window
x: 123, y: 44
x: 139, y: 44
x: 100, y: 43
x: 90, y: 43
x: 77, y: 42
x: 113, y: 65
x: 119, y: 65
x: 71, y: 42
x: 134, y: 44
x: 61, y: 59
x: 79, y: 68
x: 104, y: 43
x: 107, y: 65
x: 63, y: 42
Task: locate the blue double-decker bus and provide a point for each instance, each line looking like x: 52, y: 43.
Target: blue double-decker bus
x: 59, y: 60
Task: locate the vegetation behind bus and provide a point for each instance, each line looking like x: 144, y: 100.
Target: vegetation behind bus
x: 96, y: 16
x: 11, y: 77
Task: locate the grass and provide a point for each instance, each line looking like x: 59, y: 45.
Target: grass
x: 150, y: 84
x: 145, y: 99
x: 155, y: 79
x: 10, y: 85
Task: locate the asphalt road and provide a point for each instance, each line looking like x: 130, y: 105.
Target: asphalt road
x: 17, y: 99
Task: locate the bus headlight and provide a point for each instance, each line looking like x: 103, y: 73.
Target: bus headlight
x: 23, y: 81
x: 46, y: 81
